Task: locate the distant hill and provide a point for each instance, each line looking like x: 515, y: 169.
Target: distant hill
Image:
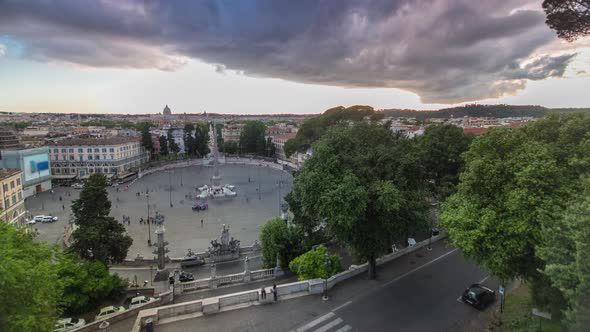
x: 497, y: 111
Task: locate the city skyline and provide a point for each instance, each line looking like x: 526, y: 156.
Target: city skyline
x: 282, y: 57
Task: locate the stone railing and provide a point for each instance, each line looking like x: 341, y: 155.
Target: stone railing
x: 299, y: 288
x: 242, y: 277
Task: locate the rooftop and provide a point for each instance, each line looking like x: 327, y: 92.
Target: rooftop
x: 8, y: 172
x: 95, y: 141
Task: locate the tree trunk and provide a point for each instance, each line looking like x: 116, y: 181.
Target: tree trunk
x: 372, y: 268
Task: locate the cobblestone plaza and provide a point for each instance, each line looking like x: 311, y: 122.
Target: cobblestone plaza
x: 245, y: 213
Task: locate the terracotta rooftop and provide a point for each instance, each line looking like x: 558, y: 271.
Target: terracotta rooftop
x: 8, y: 172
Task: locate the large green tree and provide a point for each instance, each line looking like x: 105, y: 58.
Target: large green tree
x: 29, y: 284
x: 146, y: 138
x: 364, y: 185
x: 172, y: 145
x: 440, y: 150
x: 163, y: 145
x: 201, y: 139
x: 190, y: 144
x: 312, y: 264
x: 279, y: 239
x: 569, y: 18
x: 86, y: 285
x: 99, y: 236
x: 516, y: 183
x: 252, y: 138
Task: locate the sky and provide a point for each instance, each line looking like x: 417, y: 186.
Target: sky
x: 282, y: 56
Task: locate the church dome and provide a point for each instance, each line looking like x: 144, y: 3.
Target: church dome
x: 167, y: 110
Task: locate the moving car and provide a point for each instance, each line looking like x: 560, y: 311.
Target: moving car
x: 200, y: 206
x: 49, y: 218
x: 140, y: 300
x: 77, y: 186
x: 185, y: 276
x: 191, y: 260
x: 478, y: 296
x: 109, y: 311
x: 66, y: 324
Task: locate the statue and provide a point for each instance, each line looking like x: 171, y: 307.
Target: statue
x: 246, y: 265
x: 225, y: 236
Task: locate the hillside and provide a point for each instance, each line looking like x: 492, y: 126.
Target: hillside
x: 497, y: 111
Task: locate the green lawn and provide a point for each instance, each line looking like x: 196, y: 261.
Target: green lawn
x: 517, y: 314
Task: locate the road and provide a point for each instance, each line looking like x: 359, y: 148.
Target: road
x: 417, y: 292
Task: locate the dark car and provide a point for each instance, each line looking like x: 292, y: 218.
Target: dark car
x: 185, y: 276
x: 478, y: 296
x: 200, y: 206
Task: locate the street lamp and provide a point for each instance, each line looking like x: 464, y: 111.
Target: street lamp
x: 147, y: 194
x: 327, y: 261
x: 170, y: 183
x: 429, y: 248
x: 259, y: 198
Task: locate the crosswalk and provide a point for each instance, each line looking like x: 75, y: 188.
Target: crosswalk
x: 328, y: 322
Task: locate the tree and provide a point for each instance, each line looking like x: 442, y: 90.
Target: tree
x: 279, y: 239
x: 146, y: 138
x: 172, y: 145
x: 440, y: 150
x: 202, y: 139
x: 312, y: 264
x: 190, y: 144
x: 252, y: 137
x: 86, y: 285
x: 569, y: 18
x: 29, y: 287
x: 163, y: 145
x: 270, y: 148
x: 566, y: 253
x: 99, y: 236
x: 230, y: 147
x: 364, y: 185
x: 516, y: 185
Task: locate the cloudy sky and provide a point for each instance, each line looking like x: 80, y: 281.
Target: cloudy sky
x: 277, y: 56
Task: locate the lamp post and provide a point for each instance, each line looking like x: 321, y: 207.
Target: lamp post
x: 147, y: 194
x: 170, y: 183
x: 326, y: 262
x: 180, y: 178
x: 429, y: 248
x: 259, y: 197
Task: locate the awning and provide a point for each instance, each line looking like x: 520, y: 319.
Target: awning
x: 64, y: 176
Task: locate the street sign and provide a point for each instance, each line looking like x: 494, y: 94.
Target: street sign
x: 501, y: 290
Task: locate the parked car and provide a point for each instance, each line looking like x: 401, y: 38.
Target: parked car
x: 191, y: 260
x: 478, y: 296
x: 78, y: 186
x: 140, y: 300
x: 109, y: 311
x: 200, y: 206
x: 66, y: 324
x: 49, y: 218
x: 31, y: 221
x: 185, y: 276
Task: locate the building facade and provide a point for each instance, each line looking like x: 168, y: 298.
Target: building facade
x: 279, y: 142
x: 9, y: 138
x: 13, y: 200
x: 35, y: 166
x: 231, y: 132
x: 80, y: 158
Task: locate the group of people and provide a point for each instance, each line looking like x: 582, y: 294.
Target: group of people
x: 126, y: 219
x: 273, y: 290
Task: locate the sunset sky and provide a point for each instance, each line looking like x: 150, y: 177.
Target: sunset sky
x: 274, y: 56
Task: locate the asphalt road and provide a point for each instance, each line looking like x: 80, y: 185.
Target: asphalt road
x: 418, y: 292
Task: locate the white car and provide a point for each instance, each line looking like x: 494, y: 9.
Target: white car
x: 31, y: 222
x: 67, y: 324
x: 44, y: 218
x: 77, y: 186
x: 109, y: 311
x: 140, y: 300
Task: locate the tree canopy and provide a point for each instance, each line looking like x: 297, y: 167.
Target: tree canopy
x: 252, y: 138
x: 99, y: 236
x: 365, y: 186
x: 513, y: 195
x: 29, y: 284
x: 569, y: 18
x: 278, y: 238
x: 312, y: 264
x: 313, y: 128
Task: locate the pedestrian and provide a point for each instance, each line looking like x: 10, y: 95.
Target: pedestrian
x: 263, y: 293
x: 60, y: 199
x: 63, y: 207
x: 274, y: 292
x: 129, y: 221
x: 141, y: 220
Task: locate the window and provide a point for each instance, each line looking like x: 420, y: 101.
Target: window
x: 104, y: 149
x: 63, y: 157
x: 104, y: 157
x: 63, y: 150
x: 89, y: 150
x: 89, y: 157
x: 97, y: 157
x: 96, y: 149
x: 81, y: 159
x: 80, y: 150
x: 20, y: 195
x: 57, y: 170
x: 55, y: 150
x: 12, y: 184
x: 13, y: 199
x: 71, y: 157
x: 18, y: 182
x: 71, y: 150
x: 5, y: 187
x: 112, y: 156
x: 111, y: 150
x: 6, y: 203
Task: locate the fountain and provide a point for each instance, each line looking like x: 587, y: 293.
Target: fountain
x: 225, y: 249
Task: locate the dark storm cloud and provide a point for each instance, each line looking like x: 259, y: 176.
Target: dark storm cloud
x: 443, y: 50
